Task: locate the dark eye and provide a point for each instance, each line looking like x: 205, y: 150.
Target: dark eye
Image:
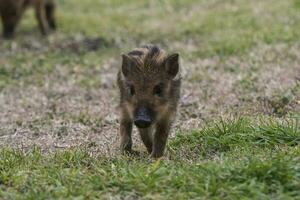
x: 158, y: 90
x: 131, y: 90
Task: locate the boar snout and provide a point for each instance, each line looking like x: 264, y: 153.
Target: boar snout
x: 143, y: 117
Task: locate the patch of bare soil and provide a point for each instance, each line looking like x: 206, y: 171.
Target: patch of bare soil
x: 239, y: 86
x: 60, y: 114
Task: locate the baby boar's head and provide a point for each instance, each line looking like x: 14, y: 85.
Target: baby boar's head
x: 149, y: 84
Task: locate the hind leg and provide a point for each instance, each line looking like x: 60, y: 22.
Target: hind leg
x: 146, y: 135
x: 160, y: 138
x: 8, y: 31
x: 50, y: 14
x: 41, y: 17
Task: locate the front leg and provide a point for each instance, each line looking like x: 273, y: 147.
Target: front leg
x: 9, y: 23
x: 160, y: 138
x: 125, y: 132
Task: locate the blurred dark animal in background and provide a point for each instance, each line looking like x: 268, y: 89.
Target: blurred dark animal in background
x: 11, y: 12
x: 149, y: 83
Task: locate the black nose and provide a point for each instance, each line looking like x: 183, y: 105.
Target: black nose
x: 143, y: 117
x: 142, y: 123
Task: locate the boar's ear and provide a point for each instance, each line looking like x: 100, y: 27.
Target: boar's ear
x: 172, y: 64
x: 127, y: 64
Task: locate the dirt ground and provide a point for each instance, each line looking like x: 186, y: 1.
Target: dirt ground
x: 59, y: 114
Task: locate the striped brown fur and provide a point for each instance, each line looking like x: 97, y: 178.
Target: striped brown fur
x: 148, y: 56
x: 149, y: 83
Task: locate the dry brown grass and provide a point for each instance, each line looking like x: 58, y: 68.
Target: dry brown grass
x: 61, y: 114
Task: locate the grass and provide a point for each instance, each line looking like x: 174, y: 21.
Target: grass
x: 229, y: 160
x: 238, y: 134
x: 237, y: 130
x: 216, y: 28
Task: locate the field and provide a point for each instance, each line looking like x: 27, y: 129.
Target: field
x: 237, y: 132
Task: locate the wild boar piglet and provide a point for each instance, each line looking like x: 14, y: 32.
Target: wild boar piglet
x: 149, y: 83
